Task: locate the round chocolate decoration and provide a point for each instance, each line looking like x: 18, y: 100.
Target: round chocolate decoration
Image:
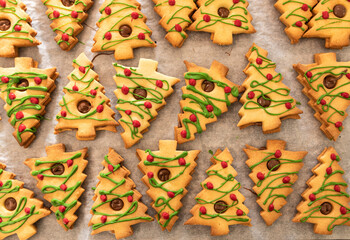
x: 57, y: 169
x: 10, y: 204
x: 273, y: 164
x: 117, y: 204
x: 264, y: 102
x: 125, y: 30
x: 140, y: 93
x: 220, y: 206
x: 5, y: 24
x: 68, y: 3
x: 22, y: 84
x: 326, y: 208
x: 208, y: 86
x: 339, y: 11
x: 164, y: 174
x: 330, y: 81
x: 84, y: 106
x: 223, y: 12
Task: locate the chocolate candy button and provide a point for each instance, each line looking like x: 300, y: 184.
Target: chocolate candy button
x: 57, y: 169
x: 22, y: 84
x: 339, y: 11
x: 117, y: 204
x: 140, y: 93
x: 10, y: 204
x: 164, y: 174
x: 208, y: 86
x: 326, y: 208
x: 273, y: 164
x: 220, y: 206
x: 125, y: 31
x: 330, y: 81
x: 5, y: 24
x: 68, y: 3
x: 84, y: 106
x: 264, y: 102
x: 223, y: 12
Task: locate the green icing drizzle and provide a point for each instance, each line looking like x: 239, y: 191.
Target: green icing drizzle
x: 332, y: 21
x: 295, y: 14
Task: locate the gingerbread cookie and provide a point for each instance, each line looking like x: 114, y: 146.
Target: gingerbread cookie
x: 167, y: 173
x: 327, y: 83
x: 122, y: 27
x: 222, y: 18
x: 60, y: 176
x: 206, y: 96
x: 26, y: 91
x: 220, y: 204
x: 175, y: 18
x: 67, y: 18
x: 15, y: 28
x: 266, y: 100
x: 295, y: 15
x: 325, y: 203
x: 19, y: 209
x: 274, y: 172
x: 331, y: 21
x: 85, y: 107
x: 117, y: 204
x: 141, y: 92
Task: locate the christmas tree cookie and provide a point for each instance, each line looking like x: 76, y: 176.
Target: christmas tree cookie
x: 274, y: 172
x: 222, y: 18
x: 117, y: 204
x: 325, y: 203
x: 141, y: 92
x: 175, y: 18
x: 331, y: 21
x: 122, y: 27
x: 60, y: 176
x: 19, y: 210
x: 26, y: 91
x: 266, y: 100
x: 67, y: 18
x: 327, y: 83
x: 15, y: 28
x: 220, y: 204
x: 295, y: 15
x: 167, y: 173
x: 206, y: 96
x: 85, y: 107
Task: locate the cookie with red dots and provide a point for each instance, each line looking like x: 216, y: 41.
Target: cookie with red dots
x: 325, y: 202
x: 330, y: 21
x: 205, y: 97
x: 19, y: 209
x: 167, y: 173
x: 84, y: 105
x: 122, y: 27
x: 220, y: 204
x: 15, y: 28
x: 295, y: 15
x: 117, y: 204
x: 274, y: 170
x: 222, y: 18
x: 26, y: 90
x: 141, y: 93
x: 60, y: 177
x: 327, y: 84
x: 175, y: 18
x: 266, y: 100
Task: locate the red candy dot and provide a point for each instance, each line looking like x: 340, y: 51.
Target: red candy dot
x: 333, y: 156
x: 108, y: 10
x: 3, y: 3
x: 338, y: 124
x: 288, y: 105
x: 75, y: 88
x: 178, y: 28
x: 192, y: 82
x: 235, y: 1
x: 130, y: 198
x: 127, y: 72
x: 312, y: 197
x: 224, y: 164
x: 82, y: 69
x: 103, y: 219
x: 65, y: 37
x: 103, y: 198
x: 99, y: 108
x: 337, y: 188
x: 309, y: 74
x: 269, y: 76
x: 260, y: 176
x: 18, y: 28
x: 108, y: 35
x: 128, y: 112
x: 37, y: 80
x: 63, y: 187
x: 27, y: 210
x: 165, y: 215
x: 134, y: 15
x: 74, y: 14
x: 210, y: 185
x: 203, y: 210
x: 251, y: 95
x: 345, y: 95
x: 5, y: 79
x: 299, y: 24
x: 286, y: 179
x: 150, y: 174
x: 239, y: 212
x: 136, y: 123
x: 12, y: 96
x: 183, y: 133
x: 343, y: 210
x: 62, y: 209
x: 304, y: 7
x: 171, y: 2
x: 21, y: 127
x: 233, y: 197
x: 227, y: 89
x: 238, y: 23
x: 56, y: 14
x: 329, y: 170
x: 323, y: 102
x: 278, y: 154
x: 209, y: 108
x: 69, y: 162
x: 325, y: 15
x: 193, y: 118
x: 0, y: 220
x: 63, y: 113
x: 171, y: 194
x: 150, y: 158
x: 125, y: 90
x: 206, y: 18
x: 65, y: 221
x: 110, y: 168
x: 148, y: 104
x: 141, y: 36
x: 271, y: 207
x: 348, y: 75
x: 159, y: 83
x: 1, y: 183
x: 259, y: 61
x: 93, y: 92
x: 182, y: 162
x: 40, y: 176
x: 19, y: 115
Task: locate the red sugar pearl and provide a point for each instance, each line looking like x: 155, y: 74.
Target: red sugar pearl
x: 238, y: 23
x: 130, y: 198
x: 12, y: 96
x: 209, y: 108
x: 312, y: 197
x: 74, y: 14
x: 82, y: 69
x: 329, y: 170
x: 125, y: 90
x: 93, y: 92
x: 127, y: 72
x: 304, y: 7
x: 134, y: 15
x: 325, y: 15
x: 108, y: 35
x: 69, y: 162
x: 171, y: 2
x: 233, y: 197
x: 203, y: 210
x: 278, y: 154
x: 288, y: 105
x: 348, y: 75
x: 141, y: 36
x: 260, y: 176
x: 159, y: 83
x: 333, y: 156
x: 150, y: 175
x: 209, y: 185
x: 271, y: 207
x: 110, y: 168
x: 18, y: 28
x: 0, y: 220
x: 165, y: 215
x: 103, y: 198
x: 227, y: 89
x: 150, y: 158
x: 178, y: 28
x: 37, y: 80
x: 251, y: 95
x: 182, y: 162
x: 171, y: 194
x: 235, y: 1
x: 323, y: 102
x: 99, y: 108
x: 193, y: 118
x: 3, y: 3
x: 338, y: 124
x: 40, y: 176
x: 298, y: 24
x: 239, y: 212
x: 1, y: 183
x: 183, y: 133
x: 27, y: 210
x: 63, y: 187
x: 148, y: 104
x: 75, y: 88
x: 62, y: 209
x: 128, y: 112
x: 343, y: 210
x: 337, y: 188
x: 259, y: 61
x: 108, y: 10
x: 65, y: 37
x: 345, y: 95
x: 206, y: 18
x: 21, y: 127
x: 192, y: 82
x: 19, y: 115
x: 56, y: 14
x: 224, y: 164
x: 103, y: 219
x: 136, y: 123
x: 269, y: 76
x: 286, y: 179
x: 309, y: 74
x: 5, y: 79
x: 65, y: 221
x: 63, y: 113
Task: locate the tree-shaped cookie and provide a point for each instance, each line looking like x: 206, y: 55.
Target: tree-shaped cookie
x: 141, y: 92
x: 222, y: 18
x: 19, y: 209
x: 325, y: 203
x: 175, y: 18
x: 274, y: 172
x: 327, y: 83
x: 266, y: 100
x: 122, y: 27
x: 167, y: 173
x: 67, y: 17
x: 15, y: 28
x: 60, y: 176
x: 295, y: 15
x: 206, y: 96
x: 331, y: 21
x: 84, y: 105
x: 220, y: 204
x: 26, y: 90
x: 117, y: 204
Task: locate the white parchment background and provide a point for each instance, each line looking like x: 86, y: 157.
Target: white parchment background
x: 303, y: 134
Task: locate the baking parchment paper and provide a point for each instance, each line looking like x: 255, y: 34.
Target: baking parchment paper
x: 302, y: 134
